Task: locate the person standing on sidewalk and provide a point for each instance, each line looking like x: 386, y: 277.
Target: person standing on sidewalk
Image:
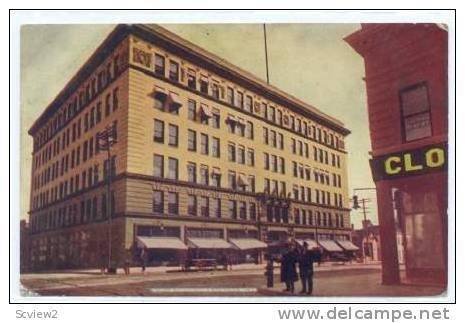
x: 288, y: 269
x: 306, y: 260
x: 143, y: 258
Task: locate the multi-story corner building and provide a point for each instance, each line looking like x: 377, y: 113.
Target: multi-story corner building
x: 407, y: 89
x: 207, y: 157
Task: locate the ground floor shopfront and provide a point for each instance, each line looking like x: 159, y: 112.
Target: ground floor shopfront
x: 174, y: 241
x: 416, y: 206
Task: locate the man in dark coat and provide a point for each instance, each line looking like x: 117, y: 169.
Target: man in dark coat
x: 306, y: 260
x: 288, y: 270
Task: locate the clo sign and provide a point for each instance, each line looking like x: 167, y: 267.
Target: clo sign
x: 431, y: 158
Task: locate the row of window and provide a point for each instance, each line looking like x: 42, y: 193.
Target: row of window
x: 322, y: 156
x: 88, y: 178
x: 244, y: 102
x: 305, y: 172
x: 91, y: 209
x: 273, y: 138
x: 274, y: 163
x: 74, y: 131
x: 69, y: 161
x: 207, y: 176
x: 325, y: 219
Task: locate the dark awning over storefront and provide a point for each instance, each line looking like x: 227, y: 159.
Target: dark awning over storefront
x: 161, y: 243
x: 248, y: 243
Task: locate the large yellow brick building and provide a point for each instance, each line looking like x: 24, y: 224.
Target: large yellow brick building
x: 207, y: 156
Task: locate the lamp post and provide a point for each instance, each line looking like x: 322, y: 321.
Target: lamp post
x: 106, y: 139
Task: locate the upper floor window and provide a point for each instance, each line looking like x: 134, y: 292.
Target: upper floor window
x: 416, y: 115
x: 249, y: 130
x: 159, y: 65
x: 230, y: 95
x: 215, y: 147
x: 173, y: 203
x: 191, y: 172
x: 173, y: 135
x: 215, y: 91
x: 158, y: 170
x: 204, y: 144
x: 157, y: 202
x: 215, y: 119
x: 191, y: 79
x: 158, y: 135
x: 204, y: 84
x: 240, y: 100
x: 172, y: 168
x: 174, y: 71
x: 191, y: 140
x: 248, y: 103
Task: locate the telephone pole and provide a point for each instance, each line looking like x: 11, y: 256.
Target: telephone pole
x: 106, y: 139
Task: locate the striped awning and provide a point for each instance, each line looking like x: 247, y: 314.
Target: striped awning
x: 161, y: 243
x: 208, y: 243
x: 329, y: 245
x: 206, y: 111
x: 174, y: 101
x: 160, y: 94
x: 347, y: 245
x: 311, y: 243
x: 248, y: 244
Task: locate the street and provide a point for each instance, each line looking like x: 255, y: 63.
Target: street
x: 243, y: 280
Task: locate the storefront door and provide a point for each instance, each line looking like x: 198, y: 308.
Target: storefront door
x: 423, y: 230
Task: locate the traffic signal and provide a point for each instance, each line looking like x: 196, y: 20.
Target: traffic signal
x: 355, y: 202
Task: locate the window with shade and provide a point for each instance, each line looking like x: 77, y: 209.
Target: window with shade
x: 174, y: 71
x: 204, y: 206
x: 159, y: 65
x: 158, y: 202
x: 416, y: 112
x: 173, y: 205
x: 172, y: 168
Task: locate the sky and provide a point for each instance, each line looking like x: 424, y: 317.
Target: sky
x: 309, y: 61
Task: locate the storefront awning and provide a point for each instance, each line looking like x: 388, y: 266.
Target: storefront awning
x: 248, y: 243
x: 161, y: 243
x: 347, y: 245
x: 329, y: 245
x: 311, y: 243
x: 208, y: 243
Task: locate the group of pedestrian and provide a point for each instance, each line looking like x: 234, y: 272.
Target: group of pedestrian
x: 304, y: 258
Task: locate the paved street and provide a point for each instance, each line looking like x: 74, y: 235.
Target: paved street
x: 244, y: 280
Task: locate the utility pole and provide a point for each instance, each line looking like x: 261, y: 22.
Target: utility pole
x: 365, y: 232
x: 106, y: 139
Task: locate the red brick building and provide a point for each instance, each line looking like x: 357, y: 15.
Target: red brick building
x: 407, y: 91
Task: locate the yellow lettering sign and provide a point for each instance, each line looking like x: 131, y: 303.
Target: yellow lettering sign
x: 435, y: 157
x: 389, y: 167
x: 409, y: 166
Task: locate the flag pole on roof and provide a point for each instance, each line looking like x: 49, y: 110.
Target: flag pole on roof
x: 266, y: 55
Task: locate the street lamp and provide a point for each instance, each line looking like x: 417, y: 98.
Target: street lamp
x: 106, y: 139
